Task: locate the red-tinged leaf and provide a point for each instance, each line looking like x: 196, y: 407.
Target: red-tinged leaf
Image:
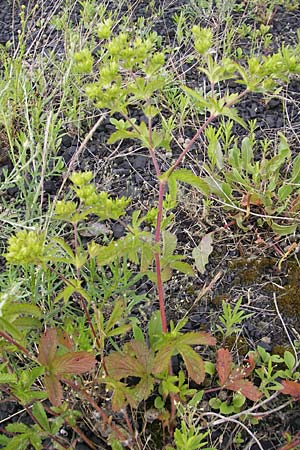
x: 224, y: 365
x: 48, y: 347
x: 74, y: 363
x: 120, y: 365
x: 53, y: 389
x: 291, y: 388
x: 197, y: 338
x: 249, y: 364
x: 142, y: 352
x: 163, y: 358
x: 245, y: 387
x: 65, y: 340
x: 193, y: 362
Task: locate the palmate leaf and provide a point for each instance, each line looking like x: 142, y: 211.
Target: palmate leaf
x: 163, y: 357
x: 180, y: 344
x: 196, y: 338
x: 122, y: 394
x: 136, y: 360
x: 234, y: 379
x: 56, y: 366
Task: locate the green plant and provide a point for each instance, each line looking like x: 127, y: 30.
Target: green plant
x: 135, y: 358
x: 231, y: 319
x: 245, y: 183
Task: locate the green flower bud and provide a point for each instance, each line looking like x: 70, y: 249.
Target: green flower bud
x: 83, y: 61
x: 104, y: 29
x: 26, y: 247
x: 81, y: 178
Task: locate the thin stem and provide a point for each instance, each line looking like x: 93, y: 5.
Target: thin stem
x: 191, y: 142
x: 160, y: 288
x: 16, y: 344
x: 104, y: 417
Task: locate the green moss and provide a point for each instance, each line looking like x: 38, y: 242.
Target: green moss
x: 254, y: 270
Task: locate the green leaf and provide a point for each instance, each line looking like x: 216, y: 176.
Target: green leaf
x: 289, y: 360
x: 21, y: 308
x: 215, y: 403
x: 196, y: 399
x: 296, y: 170
x: 193, y: 362
x: 138, y: 333
x: 199, y: 99
x: 41, y: 416
x: 115, y: 316
x: 6, y: 326
x: 238, y: 400
x: 283, y: 230
x: 7, y: 378
x: 155, y: 328
x: 247, y: 154
x: 183, y: 267
x: 284, y: 191
x: 17, y: 428
x: 187, y: 176
x: 202, y: 252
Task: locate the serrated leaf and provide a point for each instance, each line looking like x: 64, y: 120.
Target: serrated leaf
x: 245, y: 387
x: 202, y: 252
x: 136, y: 360
x: 163, y: 358
x: 193, y: 363
x: 7, y: 378
x: 196, y: 338
x: 291, y: 388
x: 223, y: 365
x: 17, y: 428
x: 48, y: 346
x: 73, y: 363
x: 53, y: 389
x: 41, y: 416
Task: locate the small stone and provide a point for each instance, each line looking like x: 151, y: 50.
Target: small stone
x: 118, y: 230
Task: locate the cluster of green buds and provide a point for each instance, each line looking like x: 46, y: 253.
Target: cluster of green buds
x: 203, y: 38
x: 26, y: 247
x: 90, y: 201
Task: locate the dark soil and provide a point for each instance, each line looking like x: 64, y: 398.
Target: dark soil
x: 245, y: 264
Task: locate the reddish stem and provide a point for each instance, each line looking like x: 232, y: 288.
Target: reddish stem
x: 16, y: 344
x: 104, y: 417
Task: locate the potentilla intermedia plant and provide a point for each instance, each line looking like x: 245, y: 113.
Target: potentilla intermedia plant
x: 133, y: 74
